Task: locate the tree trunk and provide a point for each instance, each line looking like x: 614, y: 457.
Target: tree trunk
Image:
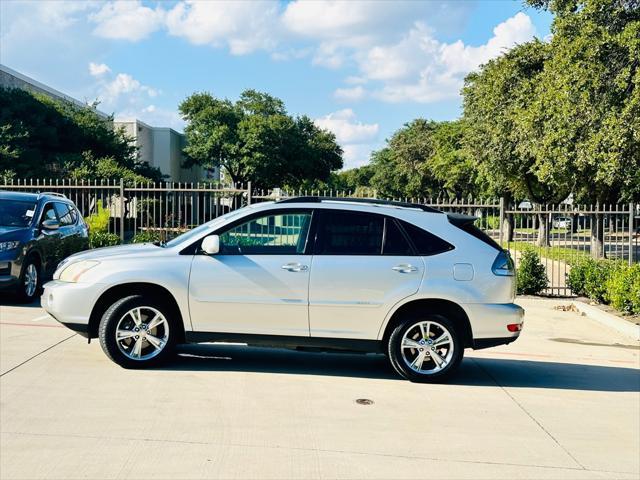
x: 574, y: 223
x: 597, y: 235
x: 543, y: 230
x: 507, y: 227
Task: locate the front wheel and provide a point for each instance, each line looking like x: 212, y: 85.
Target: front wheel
x: 30, y: 283
x: 138, y: 332
x: 427, y: 349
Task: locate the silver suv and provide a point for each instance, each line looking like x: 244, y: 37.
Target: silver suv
x: 341, y: 274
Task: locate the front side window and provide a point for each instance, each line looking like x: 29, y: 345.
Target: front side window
x: 275, y: 234
x: 48, y: 213
x: 350, y: 233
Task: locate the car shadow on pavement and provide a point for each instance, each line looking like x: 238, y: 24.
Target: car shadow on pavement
x: 9, y: 300
x: 489, y: 372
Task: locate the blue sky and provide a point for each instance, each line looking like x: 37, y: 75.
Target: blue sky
x: 359, y: 68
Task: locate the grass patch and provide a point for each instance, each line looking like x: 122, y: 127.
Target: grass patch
x: 552, y: 253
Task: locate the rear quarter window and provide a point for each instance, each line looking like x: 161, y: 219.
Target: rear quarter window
x: 425, y: 243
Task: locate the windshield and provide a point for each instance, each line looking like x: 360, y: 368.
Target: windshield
x: 15, y: 213
x: 202, y: 229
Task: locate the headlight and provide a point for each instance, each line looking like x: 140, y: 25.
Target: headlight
x: 5, y: 246
x: 75, y: 270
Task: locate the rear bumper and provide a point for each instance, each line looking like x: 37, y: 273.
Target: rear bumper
x: 490, y: 323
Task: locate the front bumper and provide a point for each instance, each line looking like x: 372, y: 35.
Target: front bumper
x: 490, y: 323
x: 71, y: 303
x: 9, y: 275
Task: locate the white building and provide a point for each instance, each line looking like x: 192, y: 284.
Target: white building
x: 159, y: 146
x: 162, y: 148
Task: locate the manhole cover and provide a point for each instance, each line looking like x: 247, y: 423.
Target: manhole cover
x: 364, y: 401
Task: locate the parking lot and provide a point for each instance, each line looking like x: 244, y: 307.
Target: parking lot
x: 561, y: 402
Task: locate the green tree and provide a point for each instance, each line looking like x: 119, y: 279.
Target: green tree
x: 255, y: 139
x: 44, y: 138
x: 586, y: 113
x: 497, y: 100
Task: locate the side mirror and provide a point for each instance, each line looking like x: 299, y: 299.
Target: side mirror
x: 50, y: 224
x: 211, y: 244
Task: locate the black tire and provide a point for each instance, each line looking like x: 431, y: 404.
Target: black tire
x: 113, y: 316
x: 399, y: 362
x: 22, y: 293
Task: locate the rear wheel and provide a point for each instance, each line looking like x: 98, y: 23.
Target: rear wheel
x: 427, y: 349
x: 138, y: 332
x: 30, y: 283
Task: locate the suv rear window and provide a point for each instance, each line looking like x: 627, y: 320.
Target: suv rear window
x: 466, y: 224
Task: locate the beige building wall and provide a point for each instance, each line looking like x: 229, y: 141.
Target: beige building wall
x: 162, y: 148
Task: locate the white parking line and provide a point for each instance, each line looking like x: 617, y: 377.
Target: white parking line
x: 43, y: 317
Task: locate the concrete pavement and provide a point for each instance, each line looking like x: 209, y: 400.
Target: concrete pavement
x: 561, y: 402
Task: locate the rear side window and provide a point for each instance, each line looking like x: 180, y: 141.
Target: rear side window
x: 425, y: 243
x: 395, y: 241
x: 64, y: 214
x: 350, y: 233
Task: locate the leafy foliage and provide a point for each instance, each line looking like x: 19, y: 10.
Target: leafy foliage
x: 103, y: 239
x: 424, y: 158
x: 99, y: 221
x: 146, y: 237
x: 42, y: 137
x: 256, y: 139
x: 531, y: 276
x: 623, y: 288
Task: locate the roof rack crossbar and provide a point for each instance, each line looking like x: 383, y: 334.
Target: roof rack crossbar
x: 55, y: 194
x: 370, y: 201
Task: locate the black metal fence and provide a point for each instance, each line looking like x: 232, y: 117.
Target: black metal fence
x: 561, y: 234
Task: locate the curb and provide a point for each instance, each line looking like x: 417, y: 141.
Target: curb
x: 607, y: 319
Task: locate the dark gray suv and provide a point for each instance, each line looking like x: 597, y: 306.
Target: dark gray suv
x: 37, y: 231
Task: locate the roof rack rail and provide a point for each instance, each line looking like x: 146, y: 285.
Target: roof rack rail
x: 55, y: 194
x: 370, y: 201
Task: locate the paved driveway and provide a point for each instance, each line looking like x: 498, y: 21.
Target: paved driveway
x: 561, y: 402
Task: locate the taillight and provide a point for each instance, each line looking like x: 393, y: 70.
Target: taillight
x: 503, y: 265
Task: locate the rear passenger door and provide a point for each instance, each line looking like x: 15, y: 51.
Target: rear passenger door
x: 362, y: 265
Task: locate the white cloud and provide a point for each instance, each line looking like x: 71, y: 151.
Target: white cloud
x: 98, y: 69
x: 243, y: 26
x: 124, y: 84
x: 127, y: 20
x: 420, y: 68
x: 350, y: 94
x: 346, y: 129
x: 355, y: 138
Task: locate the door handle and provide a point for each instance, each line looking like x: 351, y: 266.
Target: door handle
x: 295, y: 267
x: 405, y: 268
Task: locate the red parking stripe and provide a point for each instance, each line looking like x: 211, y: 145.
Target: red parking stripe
x: 31, y: 325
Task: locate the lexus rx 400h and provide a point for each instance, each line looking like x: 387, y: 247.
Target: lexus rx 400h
x: 401, y: 279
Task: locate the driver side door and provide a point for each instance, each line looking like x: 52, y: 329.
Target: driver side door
x: 259, y: 281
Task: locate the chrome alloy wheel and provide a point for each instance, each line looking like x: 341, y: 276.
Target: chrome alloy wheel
x: 142, y: 333
x: 427, y: 347
x: 30, y: 280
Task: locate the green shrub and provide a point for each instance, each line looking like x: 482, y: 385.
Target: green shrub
x: 623, y: 288
x: 99, y: 221
x: 589, y: 277
x: 146, y: 237
x: 531, y: 276
x: 102, y: 239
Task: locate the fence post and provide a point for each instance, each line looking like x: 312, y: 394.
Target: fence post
x: 249, y: 193
x: 501, y: 227
x: 631, y: 212
x: 122, y: 210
